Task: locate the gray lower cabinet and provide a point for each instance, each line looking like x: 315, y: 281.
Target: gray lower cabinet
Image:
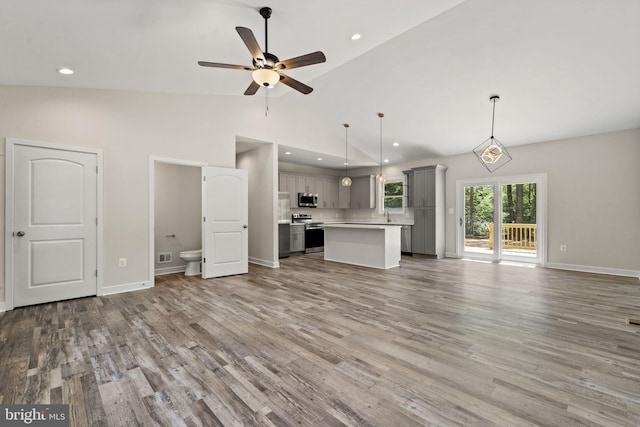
x: 296, y: 238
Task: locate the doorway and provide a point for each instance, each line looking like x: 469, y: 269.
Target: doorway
x: 502, y: 219
x: 223, y: 218
x: 53, y: 246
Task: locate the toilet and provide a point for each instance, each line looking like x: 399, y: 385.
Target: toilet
x: 193, y: 259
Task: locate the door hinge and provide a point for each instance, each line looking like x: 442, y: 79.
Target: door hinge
x: 204, y: 178
x: 96, y: 221
x: 96, y: 169
x: 204, y: 260
x: 96, y: 273
x: 204, y: 219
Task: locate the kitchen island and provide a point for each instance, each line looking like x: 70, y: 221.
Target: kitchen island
x: 369, y: 245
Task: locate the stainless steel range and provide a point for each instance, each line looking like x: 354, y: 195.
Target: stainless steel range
x: 313, y: 232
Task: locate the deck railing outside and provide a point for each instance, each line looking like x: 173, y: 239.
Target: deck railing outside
x: 516, y: 236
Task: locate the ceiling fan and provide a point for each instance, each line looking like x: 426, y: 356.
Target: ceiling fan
x: 267, y: 69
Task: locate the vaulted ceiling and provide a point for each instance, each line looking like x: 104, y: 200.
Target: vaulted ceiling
x: 562, y: 68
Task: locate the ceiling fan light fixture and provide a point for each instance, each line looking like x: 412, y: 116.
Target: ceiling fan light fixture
x: 491, y: 153
x: 265, y: 77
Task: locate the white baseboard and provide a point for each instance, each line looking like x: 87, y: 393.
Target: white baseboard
x: 3, y: 306
x: 598, y: 270
x: 170, y: 270
x: 127, y: 287
x: 266, y: 263
x: 450, y: 255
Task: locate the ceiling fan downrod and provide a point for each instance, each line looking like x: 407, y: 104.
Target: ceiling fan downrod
x: 266, y: 14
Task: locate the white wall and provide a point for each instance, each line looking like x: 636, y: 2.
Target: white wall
x: 178, y: 212
x: 594, y: 205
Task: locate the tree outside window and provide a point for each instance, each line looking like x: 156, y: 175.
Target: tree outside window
x: 393, y: 194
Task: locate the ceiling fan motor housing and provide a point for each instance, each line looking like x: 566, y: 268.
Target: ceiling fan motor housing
x: 270, y: 61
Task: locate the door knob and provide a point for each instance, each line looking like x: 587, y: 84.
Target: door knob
x: 20, y: 233
x: 245, y: 226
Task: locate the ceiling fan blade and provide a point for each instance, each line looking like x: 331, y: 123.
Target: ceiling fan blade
x: 252, y: 44
x: 301, y: 61
x: 252, y: 89
x: 219, y: 65
x: 295, y: 84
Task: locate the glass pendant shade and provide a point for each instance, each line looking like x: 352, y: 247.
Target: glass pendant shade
x: 346, y: 181
x: 380, y: 177
x: 265, y: 77
x: 491, y: 153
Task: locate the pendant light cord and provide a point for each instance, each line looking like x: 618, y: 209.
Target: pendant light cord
x: 493, y: 117
x: 381, y: 116
x: 346, y: 145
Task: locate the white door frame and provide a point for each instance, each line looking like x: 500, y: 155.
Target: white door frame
x: 152, y: 218
x: 10, y: 144
x: 497, y: 182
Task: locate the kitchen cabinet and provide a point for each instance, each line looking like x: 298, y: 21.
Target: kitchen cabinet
x: 328, y: 192
x: 296, y: 238
x: 288, y: 183
x: 344, y: 196
x: 363, y: 192
x: 426, y: 195
x: 325, y: 187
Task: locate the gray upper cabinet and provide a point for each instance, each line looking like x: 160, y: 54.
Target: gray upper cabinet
x: 426, y: 187
x: 328, y: 193
x: 288, y: 183
x: 325, y: 187
x: 363, y: 192
x: 331, y: 194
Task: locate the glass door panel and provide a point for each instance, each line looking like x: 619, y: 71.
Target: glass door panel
x: 478, y: 220
x: 519, y: 235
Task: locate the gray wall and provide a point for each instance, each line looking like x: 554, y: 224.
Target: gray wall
x: 178, y: 211
x: 261, y: 162
x: 594, y: 205
x: 593, y: 202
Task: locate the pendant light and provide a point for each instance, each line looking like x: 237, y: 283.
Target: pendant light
x: 346, y: 181
x: 491, y: 153
x: 380, y: 176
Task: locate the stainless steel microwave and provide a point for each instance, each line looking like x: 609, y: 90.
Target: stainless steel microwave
x: 307, y: 200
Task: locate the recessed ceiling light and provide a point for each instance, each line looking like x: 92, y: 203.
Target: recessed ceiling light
x: 319, y: 158
x: 386, y: 160
x: 346, y: 163
x: 356, y: 36
x: 65, y: 71
x: 395, y: 144
x: 288, y: 153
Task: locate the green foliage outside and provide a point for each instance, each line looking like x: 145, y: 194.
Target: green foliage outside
x: 393, y: 193
x: 518, y: 207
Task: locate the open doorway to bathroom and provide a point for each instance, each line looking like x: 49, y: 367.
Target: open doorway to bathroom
x: 176, y: 214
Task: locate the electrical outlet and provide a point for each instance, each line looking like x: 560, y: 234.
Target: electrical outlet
x: 563, y: 248
x: 122, y: 262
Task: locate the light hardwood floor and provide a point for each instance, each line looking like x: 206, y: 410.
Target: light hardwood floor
x: 315, y: 343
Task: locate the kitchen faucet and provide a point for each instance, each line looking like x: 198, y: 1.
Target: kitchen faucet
x: 386, y: 215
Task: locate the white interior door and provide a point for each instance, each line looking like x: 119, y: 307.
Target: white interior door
x: 225, y: 215
x: 54, y: 235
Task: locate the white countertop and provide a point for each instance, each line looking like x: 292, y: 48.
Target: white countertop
x: 370, y: 226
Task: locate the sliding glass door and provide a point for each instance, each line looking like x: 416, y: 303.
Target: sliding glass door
x: 502, y: 219
x: 479, y: 212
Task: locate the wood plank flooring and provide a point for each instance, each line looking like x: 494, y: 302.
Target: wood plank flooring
x: 315, y: 343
